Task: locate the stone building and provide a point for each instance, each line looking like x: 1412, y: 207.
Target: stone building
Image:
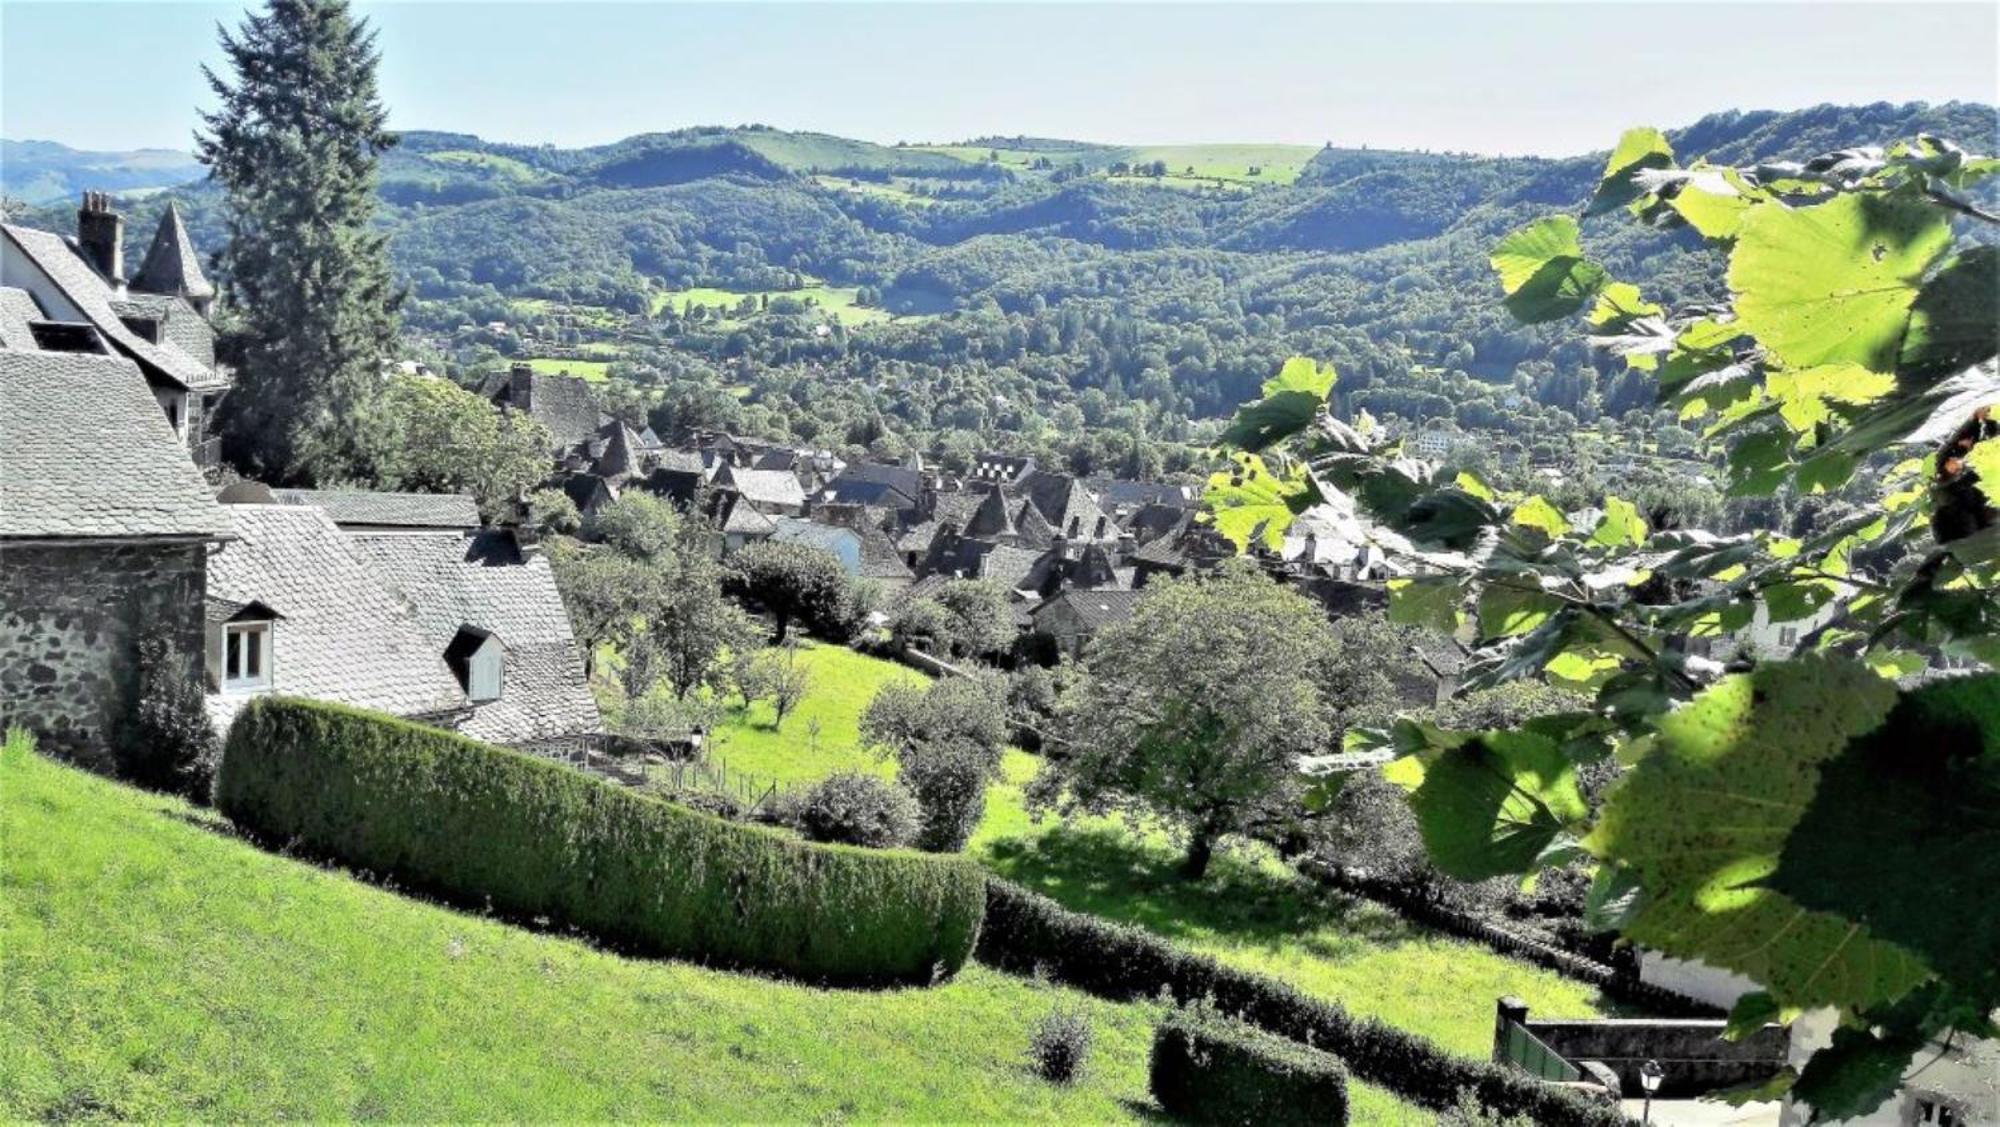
x: 71, y: 295
x: 105, y: 531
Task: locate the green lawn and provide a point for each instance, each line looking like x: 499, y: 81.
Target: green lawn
x: 1251, y: 910
x: 835, y: 302
x: 843, y: 682
x: 596, y: 371
x: 156, y: 968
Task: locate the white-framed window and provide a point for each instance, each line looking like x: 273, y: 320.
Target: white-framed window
x: 246, y: 656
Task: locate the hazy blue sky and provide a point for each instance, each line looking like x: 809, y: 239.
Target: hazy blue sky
x: 1512, y: 78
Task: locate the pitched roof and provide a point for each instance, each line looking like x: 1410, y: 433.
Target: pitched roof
x: 171, y: 264
x: 848, y: 492
x: 565, y: 405
x: 84, y: 288
x: 344, y: 635
x: 1094, y: 609
x: 745, y: 520
x: 991, y: 520
x: 401, y: 510
x: 89, y: 453
x: 1069, y: 507
x: 1009, y: 567
x: 902, y: 479
x: 799, y: 530
x: 482, y: 581
x: 17, y: 308
x: 768, y: 488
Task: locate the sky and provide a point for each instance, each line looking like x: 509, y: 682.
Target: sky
x: 1550, y: 79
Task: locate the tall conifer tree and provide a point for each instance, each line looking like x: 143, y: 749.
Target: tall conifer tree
x: 295, y: 145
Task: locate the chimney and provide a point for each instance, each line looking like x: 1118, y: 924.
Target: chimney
x: 100, y: 235
x: 521, y: 384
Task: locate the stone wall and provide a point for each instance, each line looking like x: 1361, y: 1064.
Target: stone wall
x: 70, y: 621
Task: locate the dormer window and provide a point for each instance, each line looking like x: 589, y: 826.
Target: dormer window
x: 240, y: 645
x: 246, y: 656
x: 478, y: 660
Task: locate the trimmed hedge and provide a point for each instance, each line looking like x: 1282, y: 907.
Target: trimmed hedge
x: 1212, y: 1070
x: 1027, y: 933
x: 484, y: 826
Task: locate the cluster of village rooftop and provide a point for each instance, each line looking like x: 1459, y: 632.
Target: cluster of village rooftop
x: 405, y: 603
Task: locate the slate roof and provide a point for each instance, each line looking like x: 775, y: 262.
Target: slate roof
x: 89, y: 454
x: 400, y: 510
x: 564, y: 404
x: 766, y: 488
x: 171, y: 265
x: 745, y: 520
x: 879, y: 493
x: 902, y: 479
x: 181, y: 326
x: 483, y: 581
x: 1069, y: 507
x: 991, y: 521
x: 799, y: 530
x: 682, y: 461
x: 88, y: 291
x: 1094, y: 609
x: 344, y: 635
x: 1009, y: 567
x: 17, y: 308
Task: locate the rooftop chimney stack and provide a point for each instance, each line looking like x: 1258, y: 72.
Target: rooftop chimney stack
x: 100, y: 235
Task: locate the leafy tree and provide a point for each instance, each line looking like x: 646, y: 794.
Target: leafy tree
x: 431, y: 436
x: 601, y: 590
x: 638, y: 525
x: 963, y: 618
x: 692, y: 627
x: 1799, y: 821
x: 946, y: 738
x: 774, y: 674
x: 794, y: 581
x: 1197, y: 709
x: 552, y: 513
x: 294, y: 144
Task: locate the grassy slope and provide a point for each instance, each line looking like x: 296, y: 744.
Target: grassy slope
x: 836, y: 302
x: 591, y: 370
x: 1250, y: 912
x: 155, y: 968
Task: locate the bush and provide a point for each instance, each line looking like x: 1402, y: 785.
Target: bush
x: 711, y: 802
x: 1207, y: 1069
x: 856, y: 809
x: 172, y: 745
x: 1060, y: 1046
x: 947, y: 738
x: 1030, y: 934
x: 483, y: 826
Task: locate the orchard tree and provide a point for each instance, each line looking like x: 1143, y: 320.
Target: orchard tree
x: 1806, y: 822
x: 793, y: 581
x: 946, y: 738
x: 1197, y: 709
x: 431, y: 436
x: 294, y: 143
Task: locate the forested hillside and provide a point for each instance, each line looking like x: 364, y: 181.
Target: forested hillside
x: 1098, y: 305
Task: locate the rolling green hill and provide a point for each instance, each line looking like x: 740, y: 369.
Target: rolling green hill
x: 157, y: 968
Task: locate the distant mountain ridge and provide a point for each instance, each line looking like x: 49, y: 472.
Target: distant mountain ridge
x: 46, y: 171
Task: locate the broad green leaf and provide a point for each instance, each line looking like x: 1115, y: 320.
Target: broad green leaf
x: 1855, y: 1075
x: 1430, y: 603
x: 1834, y: 282
x: 1536, y: 512
x: 1490, y: 807
x: 1753, y: 1011
x: 1251, y: 505
x: 1903, y: 834
x: 1621, y: 527
x: 1796, y: 601
x: 1506, y: 610
x: 1474, y: 484
x: 1639, y: 148
x: 1291, y: 399
x: 1582, y: 670
x: 1619, y: 302
x: 1703, y: 818
x: 1952, y: 324
x: 1543, y: 272
x: 1451, y: 517
x: 1713, y: 201
x: 1805, y: 394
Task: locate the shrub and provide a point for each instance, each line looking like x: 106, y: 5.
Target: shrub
x: 1208, y: 1069
x: 482, y: 826
x: 947, y: 738
x: 711, y: 802
x: 1028, y: 934
x: 856, y: 809
x: 1060, y: 1046
x: 172, y: 745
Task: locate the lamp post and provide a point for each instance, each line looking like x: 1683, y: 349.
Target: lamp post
x: 1650, y: 1075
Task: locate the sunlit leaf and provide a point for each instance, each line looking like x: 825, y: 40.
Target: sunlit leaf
x: 1507, y: 610
x: 1543, y: 272
x: 1251, y: 505
x: 1492, y: 806
x: 1637, y: 149
x: 1291, y: 399
x: 1622, y: 526
x: 1834, y: 282
x: 1703, y: 818
x: 1806, y: 394
x: 1430, y: 603
x: 1536, y: 512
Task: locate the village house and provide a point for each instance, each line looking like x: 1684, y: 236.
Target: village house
x: 105, y: 533
x: 71, y: 295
